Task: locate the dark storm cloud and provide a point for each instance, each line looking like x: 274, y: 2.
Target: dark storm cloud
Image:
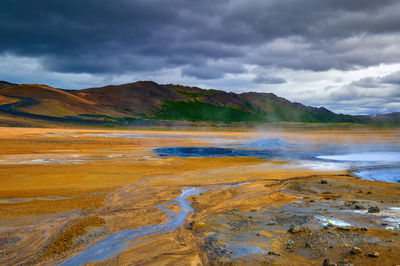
x: 147, y: 35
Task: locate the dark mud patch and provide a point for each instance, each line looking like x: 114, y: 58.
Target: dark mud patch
x: 328, y: 222
x: 211, y: 152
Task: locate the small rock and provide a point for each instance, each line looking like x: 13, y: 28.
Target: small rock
x: 258, y: 234
x: 359, y: 207
x: 273, y: 253
x: 323, y: 181
x: 373, y: 209
x: 355, y: 250
x: 295, y: 229
x: 271, y: 223
x: 330, y: 225
x: 250, y: 217
x: 384, y: 224
x: 345, y: 262
x: 190, y: 225
x: 329, y: 262
x: 307, y: 245
x: 373, y: 254
x: 290, y: 243
x: 369, y: 192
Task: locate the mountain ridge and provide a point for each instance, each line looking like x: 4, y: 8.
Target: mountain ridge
x: 148, y: 100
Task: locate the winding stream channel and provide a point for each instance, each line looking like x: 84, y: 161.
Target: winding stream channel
x: 116, y: 243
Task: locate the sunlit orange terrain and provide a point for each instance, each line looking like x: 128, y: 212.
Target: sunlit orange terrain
x: 64, y: 191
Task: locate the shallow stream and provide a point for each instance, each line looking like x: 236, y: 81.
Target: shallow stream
x: 118, y: 242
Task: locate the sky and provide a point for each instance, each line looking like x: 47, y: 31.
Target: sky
x: 340, y: 54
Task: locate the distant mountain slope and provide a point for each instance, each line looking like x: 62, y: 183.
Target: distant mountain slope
x: 147, y: 100
x: 132, y: 98
x: 381, y: 118
x: 5, y: 84
x: 49, y: 101
x: 175, y: 102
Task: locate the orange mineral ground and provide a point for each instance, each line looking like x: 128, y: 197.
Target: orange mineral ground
x: 63, y: 191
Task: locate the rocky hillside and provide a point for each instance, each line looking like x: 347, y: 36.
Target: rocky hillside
x: 147, y: 100
x: 174, y: 102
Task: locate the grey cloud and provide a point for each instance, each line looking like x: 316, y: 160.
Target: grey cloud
x: 366, y: 83
x: 366, y: 95
x: 213, y: 43
x: 202, y: 72
x: 269, y: 80
x: 379, y: 82
x: 121, y: 36
x: 393, y: 78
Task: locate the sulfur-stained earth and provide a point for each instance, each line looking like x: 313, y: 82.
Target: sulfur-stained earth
x: 63, y: 191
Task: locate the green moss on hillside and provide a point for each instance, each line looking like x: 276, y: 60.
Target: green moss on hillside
x: 199, y: 111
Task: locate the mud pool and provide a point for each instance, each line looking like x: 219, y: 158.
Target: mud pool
x: 377, y: 162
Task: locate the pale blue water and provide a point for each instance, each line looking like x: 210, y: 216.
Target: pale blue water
x: 379, y: 173
x: 344, y: 156
x: 116, y: 243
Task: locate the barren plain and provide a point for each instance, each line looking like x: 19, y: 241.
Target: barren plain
x: 135, y: 197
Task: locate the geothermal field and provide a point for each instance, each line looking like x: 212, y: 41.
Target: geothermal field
x: 161, y: 197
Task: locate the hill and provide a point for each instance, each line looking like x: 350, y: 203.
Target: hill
x: 391, y: 118
x: 45, y: 100
x: 5, y: 84
x: 149, y: 101
x: 146, y: 99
